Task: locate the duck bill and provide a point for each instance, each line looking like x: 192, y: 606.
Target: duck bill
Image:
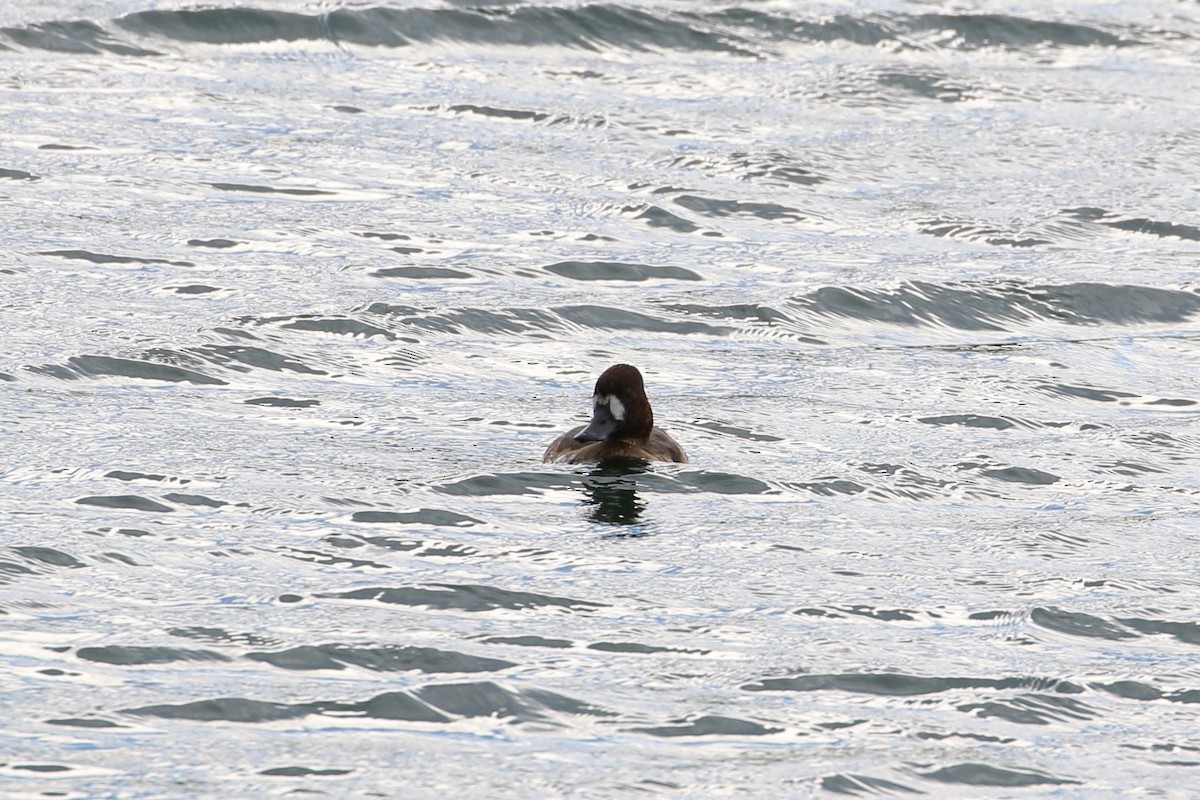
x: 602, y: 426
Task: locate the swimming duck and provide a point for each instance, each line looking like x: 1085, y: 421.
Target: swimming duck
x: 622, y: 425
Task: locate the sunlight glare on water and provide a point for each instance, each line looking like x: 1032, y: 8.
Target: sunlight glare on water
x: 295, y: 296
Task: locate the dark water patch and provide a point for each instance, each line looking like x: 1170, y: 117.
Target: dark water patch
x: 17, y: 174
x: 881, y: 614
x: 385, y: 237
x: 828, y: 487
x: 125, y: 475
x: 390, y: 658
x: 1025, y: 475
x: 339, y: 326
x: 618, y: 319
x: 222, y: 636
x: 6, y: 378
x: 388, y: 542
x: 975, y: 232
x: 326, y: 559
x: 194, y: 288
x: 1002, y: 306
x: 113, y: 557
x: 615, y: 476
x: 423, y: 516
x: 464, y: 597
x: 281, y: 402
x: 141, y: 656
x: 255, y: 188
x: 487, y: 699
x: 970, y: 421
x: 920, y: 31
x: 390, y: 705
x: 530, y: 641
x: 1076, y: 623
x: 737, y: 431
x: 131, y: 502
x: 218, y: 244
x: 974, y: 31
x: 722, y: 482
x: 225, y: 709
x: 974, y: 737
x: 657, y: 217
x: 834, y: 486
x: 237, y: 334
x: 615, y: 271
x: 987, y: 775
x: 448, y: 551
x: 911, y: 304
x: 42, y: 767
x: 1134, y: 224
x: 901, y: 685
x: 135, y: 533
x: 742, y: 312
x: 848, y: 783
x: 303, y: 772
x: 1186, y: 632
x: 1186, y: 696
x: 1173, y: 448
x: 714, y: 208
x: 484, y: 699
x: 47, y: 556
x: 243, y: 358
x: 509, y: 483
x: 495, y: 321
x: 709, y: 726
x: 1084, y: 392
x: 107, y: 258
x: 83, y: 722
x: 1175, y: 402
x: 1130, y: 690
x: 194, y: 500
x: 93, y: 366
x: 78, y: 37
x: 591, y: 27
x: 224, y: 25
x: 1031, y: 709
x: 422, y: 273
x: 516, y: 115
x: 1092, y: 303
x: 639, y: 648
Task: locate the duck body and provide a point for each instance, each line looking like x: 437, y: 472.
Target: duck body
x: 622, y: 425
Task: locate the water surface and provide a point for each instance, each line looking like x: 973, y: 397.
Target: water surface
x: 294, y: 297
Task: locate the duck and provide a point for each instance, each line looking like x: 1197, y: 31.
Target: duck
x: 622, y: 425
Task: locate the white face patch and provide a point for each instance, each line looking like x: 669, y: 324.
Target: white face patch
x: 615, y: 406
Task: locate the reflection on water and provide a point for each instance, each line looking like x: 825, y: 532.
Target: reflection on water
x: 611, y: 487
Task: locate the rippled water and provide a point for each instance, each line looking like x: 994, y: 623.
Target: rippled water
x: 294, y: 296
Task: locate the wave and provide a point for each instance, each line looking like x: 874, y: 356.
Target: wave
x: 1002, y: 307
x: 598, y: 26
x: 296, y: 345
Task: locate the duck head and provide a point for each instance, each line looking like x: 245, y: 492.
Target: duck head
x: 620, y: 409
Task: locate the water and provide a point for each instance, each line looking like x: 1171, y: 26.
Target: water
x: 294, y: 296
